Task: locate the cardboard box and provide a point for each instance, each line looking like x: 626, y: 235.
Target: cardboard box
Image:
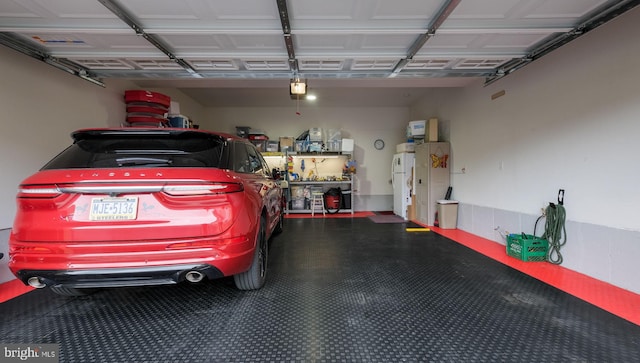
x: 411, y: 209
x: 407, y: 147
x: 286, y: 143
x: 433, y: 129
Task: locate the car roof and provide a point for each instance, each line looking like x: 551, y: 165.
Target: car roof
x: 88, y: 132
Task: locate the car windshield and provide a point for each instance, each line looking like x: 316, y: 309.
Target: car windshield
x: 129, y: 149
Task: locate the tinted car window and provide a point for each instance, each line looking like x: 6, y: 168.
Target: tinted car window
x: 265, y: 166
x: 255, y: 161
x: 240, y: 158
x: 139, y: 150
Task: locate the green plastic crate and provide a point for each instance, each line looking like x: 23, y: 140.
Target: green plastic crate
x: 527, y: 247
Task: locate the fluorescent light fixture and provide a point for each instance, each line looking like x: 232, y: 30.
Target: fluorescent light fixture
x: 298, y: 87
x: 311, y: 97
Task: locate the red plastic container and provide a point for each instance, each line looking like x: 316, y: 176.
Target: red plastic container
x: 147, y: 96
x: 258, y: 137
x: 138, y: 108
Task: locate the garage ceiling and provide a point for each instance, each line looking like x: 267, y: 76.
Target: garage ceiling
x: 244, y: 52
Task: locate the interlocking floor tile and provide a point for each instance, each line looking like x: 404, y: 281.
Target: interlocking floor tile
x: 338, y: 290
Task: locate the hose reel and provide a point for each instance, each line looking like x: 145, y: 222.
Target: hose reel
x: 554, y: 229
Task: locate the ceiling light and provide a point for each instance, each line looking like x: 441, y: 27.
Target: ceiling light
x: 298, y: 87
x: 311, y: 97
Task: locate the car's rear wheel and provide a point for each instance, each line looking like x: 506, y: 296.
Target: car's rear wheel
x: 70, y: 291
x: 255, y: 277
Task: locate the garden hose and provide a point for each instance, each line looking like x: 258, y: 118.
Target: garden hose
x: 555, y: 232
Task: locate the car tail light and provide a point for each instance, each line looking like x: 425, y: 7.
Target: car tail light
x: 202, y: 189
x: 23, y: 249
x: 39, y: 191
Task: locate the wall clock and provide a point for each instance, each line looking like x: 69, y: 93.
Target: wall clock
x: 378, y: 144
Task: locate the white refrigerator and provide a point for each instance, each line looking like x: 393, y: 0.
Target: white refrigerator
x: 402, y: 182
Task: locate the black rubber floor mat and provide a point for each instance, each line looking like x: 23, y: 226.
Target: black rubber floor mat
x: 338, y: 290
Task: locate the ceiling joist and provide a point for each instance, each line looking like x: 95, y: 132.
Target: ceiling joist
x: 439, y: 18
x: 155, y: 41
x: 41, y: 54
x: 283, y: 12
x: 562, y: 39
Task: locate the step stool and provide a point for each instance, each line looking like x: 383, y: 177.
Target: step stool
x: 317, y: 201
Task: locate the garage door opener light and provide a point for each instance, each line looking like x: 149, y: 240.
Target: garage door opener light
x: 298, y: 87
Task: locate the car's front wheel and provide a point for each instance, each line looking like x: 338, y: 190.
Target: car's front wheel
x: 255, y: 277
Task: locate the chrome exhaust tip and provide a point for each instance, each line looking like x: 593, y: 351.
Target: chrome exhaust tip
x: 194, y: 276
x: 36, y: 282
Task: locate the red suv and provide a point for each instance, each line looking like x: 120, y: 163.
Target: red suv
x: 133, y: 207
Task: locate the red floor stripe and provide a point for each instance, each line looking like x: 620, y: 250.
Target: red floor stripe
x: 613, y: 299
x: 11, y: 289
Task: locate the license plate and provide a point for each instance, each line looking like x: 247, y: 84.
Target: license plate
x: 113, y: 209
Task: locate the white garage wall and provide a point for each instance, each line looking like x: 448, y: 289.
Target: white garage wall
x: 569, y: 120
x: 40, y: 107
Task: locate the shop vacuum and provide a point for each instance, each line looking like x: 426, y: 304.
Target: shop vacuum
x: 333, y: 200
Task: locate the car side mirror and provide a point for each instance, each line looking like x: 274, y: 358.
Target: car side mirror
x: 275, y: 174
